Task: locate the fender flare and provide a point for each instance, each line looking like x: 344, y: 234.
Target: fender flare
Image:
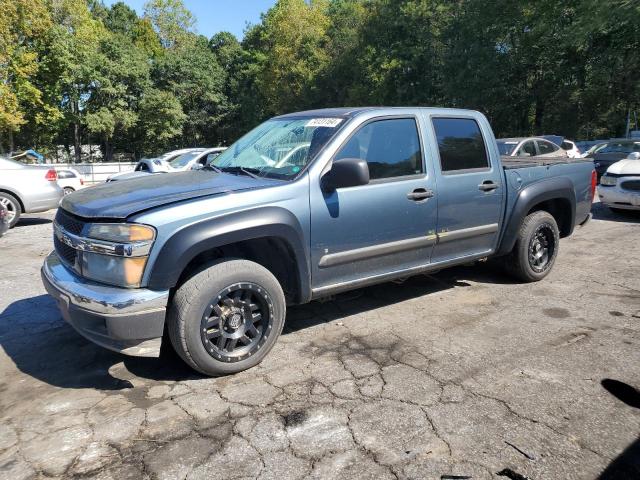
x: 192, y: 240
x: 556, y: 188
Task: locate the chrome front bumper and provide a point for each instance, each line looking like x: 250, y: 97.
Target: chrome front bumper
x: 130, y: 321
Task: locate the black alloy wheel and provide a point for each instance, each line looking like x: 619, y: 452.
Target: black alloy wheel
x: 541, y: 248
x: 237, y: 322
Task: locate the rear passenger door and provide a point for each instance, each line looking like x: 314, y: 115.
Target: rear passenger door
x: 470, y: 188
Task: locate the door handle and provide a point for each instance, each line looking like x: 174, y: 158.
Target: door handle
x: 488, y: 185
x: 420, y: 194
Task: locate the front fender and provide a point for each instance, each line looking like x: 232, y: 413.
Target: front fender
x: 188, y: 242
x: 548, y: 189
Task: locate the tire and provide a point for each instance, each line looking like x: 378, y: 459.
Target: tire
x: 219, y: 304
x: 68, y: 190
x: 12, y: 204
x: 536, y: 248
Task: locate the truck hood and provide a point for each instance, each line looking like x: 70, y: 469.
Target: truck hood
x: 625, y: 167
x: 119, y: 200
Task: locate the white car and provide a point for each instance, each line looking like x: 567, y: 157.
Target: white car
x: 620, y: 186
x: 196, y: 157
x: 192, y: 159
x: 571, y: 148
x: 69, y: 180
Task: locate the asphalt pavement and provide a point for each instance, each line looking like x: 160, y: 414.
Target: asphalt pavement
x: 463, y: 374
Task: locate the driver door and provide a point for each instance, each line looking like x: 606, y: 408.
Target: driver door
x: 387, y: 225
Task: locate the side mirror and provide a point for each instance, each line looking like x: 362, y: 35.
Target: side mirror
x: 346, y: 172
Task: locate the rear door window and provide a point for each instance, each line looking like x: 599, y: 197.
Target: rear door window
x: 547, y: 147
x: 460, y: 144
x: 527, y: 148
x: 391, y: 148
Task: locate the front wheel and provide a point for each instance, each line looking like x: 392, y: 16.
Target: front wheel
x: 536, y: 247
x: 227, y: 317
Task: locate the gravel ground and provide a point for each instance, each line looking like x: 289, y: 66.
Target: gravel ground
x: 464, y: 374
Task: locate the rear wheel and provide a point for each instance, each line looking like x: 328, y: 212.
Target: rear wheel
x: 13, y: 208
x: 227, y: 317
x: 536, y: 248
x: 68, y: 190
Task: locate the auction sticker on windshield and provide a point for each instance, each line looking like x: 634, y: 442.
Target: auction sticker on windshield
x: 324, y: 122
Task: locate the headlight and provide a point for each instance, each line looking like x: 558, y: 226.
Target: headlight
x: 121, y: 232
x: 116, y: 253
x: 120, y: 271
x: 608, y: 181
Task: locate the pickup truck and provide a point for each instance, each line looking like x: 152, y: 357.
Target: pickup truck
x: 304, y: 206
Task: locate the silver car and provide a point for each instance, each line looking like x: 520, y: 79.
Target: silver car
x: 27, y: 189
x: 529, y: 147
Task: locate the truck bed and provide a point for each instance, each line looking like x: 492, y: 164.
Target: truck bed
x: 510, y: 163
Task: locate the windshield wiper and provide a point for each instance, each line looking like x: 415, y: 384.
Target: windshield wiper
x: 250, y: 172
x: 211, y: 166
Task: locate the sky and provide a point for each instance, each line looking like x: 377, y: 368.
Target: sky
x: 213, y: 16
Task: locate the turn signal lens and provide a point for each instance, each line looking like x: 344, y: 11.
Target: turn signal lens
x: 594, y: 182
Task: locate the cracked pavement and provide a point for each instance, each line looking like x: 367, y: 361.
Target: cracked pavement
x: 463, y: 374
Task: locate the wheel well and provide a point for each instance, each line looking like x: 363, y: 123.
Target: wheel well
x: 273, y: 253
x: 560, y: 209
x: 16, y: 196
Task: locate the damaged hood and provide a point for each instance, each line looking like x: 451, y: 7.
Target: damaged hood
x: 119, y: 200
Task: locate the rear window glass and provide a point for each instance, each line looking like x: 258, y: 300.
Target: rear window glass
x: 460, y: 144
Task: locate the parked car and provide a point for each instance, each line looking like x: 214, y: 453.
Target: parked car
x: 27, y: 188
x: 606, y: 154
x: 197, y: 158
x: 69, y: 180
x: 4, y: 219
x: 193, y: 159
x: 529, y: 147
x: 620, y: 185
x: 381, y: 193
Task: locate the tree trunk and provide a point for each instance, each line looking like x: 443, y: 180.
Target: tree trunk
x: 11, y: 145
x: 108, y: 150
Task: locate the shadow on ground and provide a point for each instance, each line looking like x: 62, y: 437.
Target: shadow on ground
x: 29, y: 221
x: 627, y: 464
x: 602, y: 212
x: 43, y: 346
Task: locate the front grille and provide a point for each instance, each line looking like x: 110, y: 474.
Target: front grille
x: 633, y: 185
x: 70, y: 223
x: 65, y: 252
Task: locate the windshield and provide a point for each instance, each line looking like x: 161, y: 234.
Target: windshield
x: 183, y: 160
x: 506, y: 148
x: 618, y: 147
x: 279, y: 148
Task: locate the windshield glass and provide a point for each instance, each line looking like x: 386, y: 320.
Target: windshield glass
x: 279, y: 148
x: 183, y: 160
x: 506, y: 148
x: 618, y: 147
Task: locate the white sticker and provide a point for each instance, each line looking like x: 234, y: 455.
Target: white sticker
x: 324, y: 122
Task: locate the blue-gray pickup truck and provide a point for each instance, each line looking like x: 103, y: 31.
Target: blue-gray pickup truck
x: 304, y: 206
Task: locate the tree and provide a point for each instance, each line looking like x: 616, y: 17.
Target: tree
x: 21, y: 24
x: 292, y: 38
x: 192, y: 74
x: 161, y: 120
x: 121, y: 77
x: 172, y: 21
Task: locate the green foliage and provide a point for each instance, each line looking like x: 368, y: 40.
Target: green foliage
x: 75, y: 71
